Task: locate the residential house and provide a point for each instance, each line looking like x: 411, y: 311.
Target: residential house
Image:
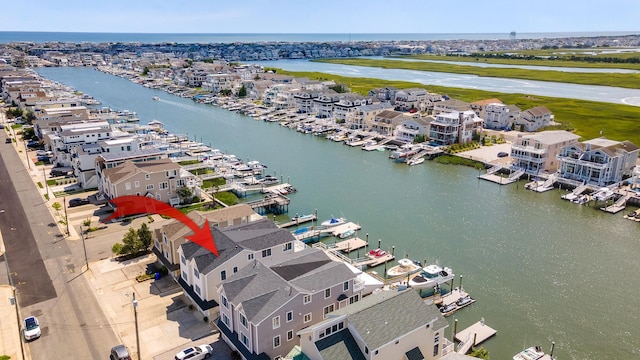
x: 171, y: 236
x: 407, y: 99
x: 412, y: 127
x: 379, y: 327
x: 600, y: 162
x: 364, y: 116
x: 386, y: 121
x: 264, y: 306
x: 110, y: 160
x: 218, y: 82
x: 479, y: 107
x: 348, y: 104
x: 385, y: 94
x: 324, y: 103
x: 450, y: 105
x: 157, y: 179
x: 537, y: 153
x: 304, y: 101
x: 535, y: 118
x: 496, y: 116
x: 455, y: 127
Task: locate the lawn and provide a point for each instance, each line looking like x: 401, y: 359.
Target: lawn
x: 585, y: 118
x: 629, y: 81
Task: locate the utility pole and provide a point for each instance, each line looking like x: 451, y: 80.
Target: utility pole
x: 84, y: 246
x: 135, y: 315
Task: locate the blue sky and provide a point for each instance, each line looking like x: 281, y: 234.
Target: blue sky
x: 324, y: 16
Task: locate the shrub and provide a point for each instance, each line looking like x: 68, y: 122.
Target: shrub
x: 206, y: 319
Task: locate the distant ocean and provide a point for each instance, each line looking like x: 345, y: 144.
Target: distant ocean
x: 79, y: 37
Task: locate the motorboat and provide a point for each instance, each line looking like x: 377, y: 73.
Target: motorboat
x: 431, y: 276
x: 333, y: 222
x: 376, y: 253
x: 603, y: 194
x: 445, y: 309
x: 405, y: 266
x: 531, y: 353
x: 156, y: 98
x: 464, y: 300
x: 415, y: 161
x: 346, y: 234
x: 303, y: 217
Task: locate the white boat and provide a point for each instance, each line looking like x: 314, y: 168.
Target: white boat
x: 333, y: 222
x: 603, y: 194
x: 347, y: 234
x: 156, y: 98
x: 431, y: 276
x: 405, y: 266
x: 415, y: 161
x: 532, y: 353
x: 303, y: 217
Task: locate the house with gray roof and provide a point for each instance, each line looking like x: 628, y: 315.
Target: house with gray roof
x: 265, y: 305
x: 386, y: 325
x: 535, y: 118
x: 239, y: 246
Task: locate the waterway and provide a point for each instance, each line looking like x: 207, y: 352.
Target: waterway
x: 542, y: 269
x: 542, y: 88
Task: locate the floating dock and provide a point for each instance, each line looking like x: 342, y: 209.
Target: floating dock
x: 298, y: 221
x: 452, y: 297
x: 472, y: 336
x: 349, y: 244
x: 374, y: 261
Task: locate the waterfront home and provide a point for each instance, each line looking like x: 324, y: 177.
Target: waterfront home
x: 412, y: 127
x: 600, y: 162
x: 496, y: 116
x: 264, y: 305
x: 535, y: 118
x: 386, y: 121
x: 239, y: 246
x: 215, y: 83
x: 304, y: 101
x: 63, y: 137
x: 537, y: 153
x: 390, y: 325
x: 324, y: 103
x: 169, y: 237
x: 453, y: 127
x: 450, y: 105
x: 364, y: 115
x: 105, y: 161
x: 385, y: 94
x: 348, y: 104
x: 480, y: 106
x: 407, y: 99
x: 278, y: 96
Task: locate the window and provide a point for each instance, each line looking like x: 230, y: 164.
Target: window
x: 307, y: 317
x: 198, y: 290
x: 276, y: 322
x: 127, y: 186
x: 149, y: 187
x: 235, y: 269
x: 354, y: 299
x: 225, y: 319
x: 243, y: 320
x: 164, y: 185
x: 223, y: 275
x: 287, y: 247
x: 196, y: 273
x: 245, y: 341
x: 250, y: 257
x: 328, y: 309
x: 289, y: 335
x: 266, y: 252
x: 345, y: 286
x: 147, y: 176
x: 276, y: 341
x: 183, y: 260
x: 327, y: 293
x: 290, y: 316
x: 306, y: 299
x: 180, y: 182
x: 224, y: 302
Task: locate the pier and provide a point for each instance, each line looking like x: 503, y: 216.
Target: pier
x: 472, y: 336
x: 275, y: 204
x: 349, y: 245
x: 298, y: 221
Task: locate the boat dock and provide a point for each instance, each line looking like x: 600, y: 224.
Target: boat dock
x: 308, y: 234
x: 374, y: 261
x: 340, y: 229
x: 452, y: 297
x: 491, y: 175
x: 634, y: 216
x: 472, y: 336
x: 298, y: 221
x: 350, y: 244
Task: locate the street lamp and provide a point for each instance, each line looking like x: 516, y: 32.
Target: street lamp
x: 84, y: 246
x: 135, y: 316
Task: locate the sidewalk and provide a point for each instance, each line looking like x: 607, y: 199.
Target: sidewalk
x: 10, y: 338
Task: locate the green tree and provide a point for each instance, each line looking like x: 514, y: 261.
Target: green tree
x: 145, y: 237
x: 184, y: 193
x: 242, y: 92
x: 480, y: 353
x: 130, y: 243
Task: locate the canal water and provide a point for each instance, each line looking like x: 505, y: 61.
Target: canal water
x: 542, y: 269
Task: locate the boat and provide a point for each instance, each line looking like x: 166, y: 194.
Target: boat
x: 333, y: 222
x: 431, y: 276
x: 156, y: 97
x: 464, y: 300
x: 376, y: 253
x: 531, y: 353
x: 303, y: 217
x: 445, y: 309
x: 405, y: 266
x: 603, y: 194
x: 346, y: 234
x: 415, y: 161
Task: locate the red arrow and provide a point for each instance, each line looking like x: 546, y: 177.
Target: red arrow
x: 131, y: 205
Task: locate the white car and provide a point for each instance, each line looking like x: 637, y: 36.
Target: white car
x: 195, y: 353
x: 31, y: 328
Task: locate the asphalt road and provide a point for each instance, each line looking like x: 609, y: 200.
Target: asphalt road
x: 46, y: 269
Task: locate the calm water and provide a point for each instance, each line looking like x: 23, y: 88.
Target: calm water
x: 542, y: 269
x: 40, y: 37
x: 543, y: 88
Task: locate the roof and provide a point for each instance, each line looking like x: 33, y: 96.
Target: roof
x: 553, y: 136
x: 388, y: 315
x: 130, y: 168
x: 340, y: 345
x: 487, y: 102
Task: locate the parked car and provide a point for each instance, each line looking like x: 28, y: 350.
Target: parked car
x: 78, y: 201
x: 8, y: 141
x: 195, y: 353
x: 31, y: 328
x: 33, y: 144
x: 119, y: 352
x: 502, y: 154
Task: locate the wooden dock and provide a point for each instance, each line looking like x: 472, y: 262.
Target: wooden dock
x: 452, y: 297
x: 374, y: 261
x: 350, y: 244
x: 298, y: 221
x: 472, y: 336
